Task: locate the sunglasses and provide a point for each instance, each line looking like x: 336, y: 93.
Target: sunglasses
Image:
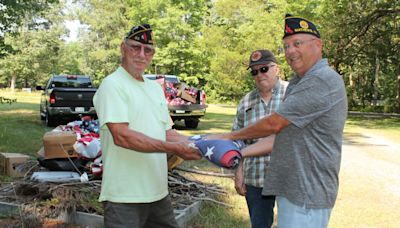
x: 137, y: 48
x: 262, y: 70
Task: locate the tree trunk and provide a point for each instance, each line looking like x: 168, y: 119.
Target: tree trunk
x: 363, y: 86
x: 13, y: 82
x: 398, y: 94
x: 353, y: 96
x: 376, y: 81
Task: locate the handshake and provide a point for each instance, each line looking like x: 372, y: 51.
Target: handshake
x: 223, y: 153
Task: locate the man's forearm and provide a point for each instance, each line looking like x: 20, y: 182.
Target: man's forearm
x: 254, y: 131
x: 264, y: 127
x: 174, y: 136
x: 260, y: 148
x: 134, y: 140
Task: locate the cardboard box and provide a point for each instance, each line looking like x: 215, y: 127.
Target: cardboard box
x: 173, y: 161
x: 182, y: 93
x: 59, y: 144
x: 9, y: 162
x: 188, y: 97
x: 40, y: 153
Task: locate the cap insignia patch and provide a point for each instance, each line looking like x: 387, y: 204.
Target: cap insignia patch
x: 256, y: 56
x: 304, y: 24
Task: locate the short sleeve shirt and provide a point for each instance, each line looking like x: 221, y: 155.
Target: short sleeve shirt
x: 130, y: 176
x: 250, y: 109
x: 306, y: 156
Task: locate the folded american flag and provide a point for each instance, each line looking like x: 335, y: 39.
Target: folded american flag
x: 223, y: 153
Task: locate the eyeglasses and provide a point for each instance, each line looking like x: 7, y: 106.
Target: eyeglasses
x: 264, y: 69
x: 137, y: 48
x: 296, y: 44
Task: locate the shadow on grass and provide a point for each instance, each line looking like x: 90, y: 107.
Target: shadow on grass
x: 358, y: 139
x: 353, y: 138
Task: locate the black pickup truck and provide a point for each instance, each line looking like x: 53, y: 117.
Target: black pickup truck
x: 66, y: 97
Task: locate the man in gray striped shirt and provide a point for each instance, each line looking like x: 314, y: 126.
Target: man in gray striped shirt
x: 305, y: 162
x: 258, y: 103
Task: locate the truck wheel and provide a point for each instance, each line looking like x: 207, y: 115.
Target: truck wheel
x: 42, y: 117
x: 191, y: 123
x: 50, y: 121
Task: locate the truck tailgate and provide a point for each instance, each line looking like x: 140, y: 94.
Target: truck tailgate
x: 73, y: 97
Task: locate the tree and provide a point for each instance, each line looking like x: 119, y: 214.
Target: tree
x: 100, y: 43
x: 363, y: 41
x: 33, y: 49
x: 176, y: 26
x: 234, y: 29
x: 13, y: 13
x: 207, y: 42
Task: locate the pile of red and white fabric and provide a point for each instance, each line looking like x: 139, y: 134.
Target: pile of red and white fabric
x: 174, y: 95
x: 87, y: 144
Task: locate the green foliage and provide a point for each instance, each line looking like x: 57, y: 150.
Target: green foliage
x: 71, y: 59
x: 13, y: 13
x: 34, y: 49
x: 390, y: 105
x: 177, y: 26
x: 235, y: 29
x: 206, y: 43
x: 107, y: 22
x: 365, y: 45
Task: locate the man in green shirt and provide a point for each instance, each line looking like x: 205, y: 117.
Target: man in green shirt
x: 135, y: 135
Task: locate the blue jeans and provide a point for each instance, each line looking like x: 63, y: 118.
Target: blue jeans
x: 261, y: 208
x: 291, y: 215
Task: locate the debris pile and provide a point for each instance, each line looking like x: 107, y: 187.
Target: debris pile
x: 46, y: 201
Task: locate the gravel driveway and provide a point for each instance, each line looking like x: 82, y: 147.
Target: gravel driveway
x: 369, y: 192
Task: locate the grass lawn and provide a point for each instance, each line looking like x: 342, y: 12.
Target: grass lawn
x: 359, y: 204
x: 21, y: 129
x: 387, y: 128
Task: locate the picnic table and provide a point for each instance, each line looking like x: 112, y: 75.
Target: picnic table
x: 7, y: 100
